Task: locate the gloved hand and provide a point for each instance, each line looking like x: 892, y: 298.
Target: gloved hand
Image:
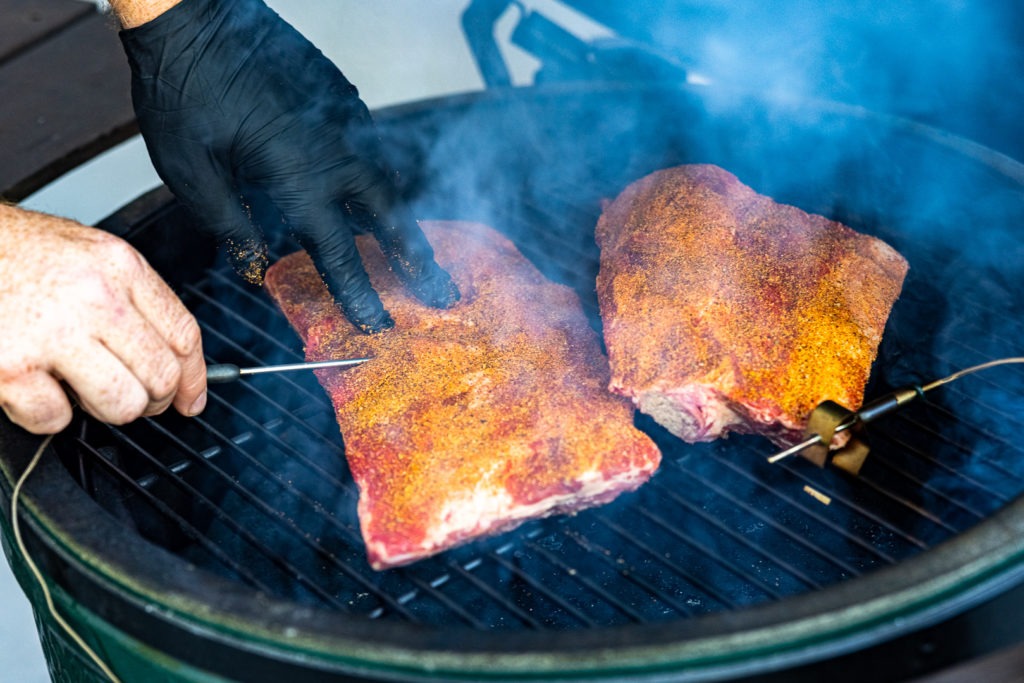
x: 230, y: 98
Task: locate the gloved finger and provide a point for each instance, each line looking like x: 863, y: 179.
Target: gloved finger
x: 206, y: 187
x: 36, y: 402
x: 401, y: 240
x: 327, y: 237
x: 408, y: 251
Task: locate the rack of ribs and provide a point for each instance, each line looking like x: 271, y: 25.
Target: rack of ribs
x: 471, y: 420
x: 724, y: 311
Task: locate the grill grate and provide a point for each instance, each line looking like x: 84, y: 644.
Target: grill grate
x: 257, y: 489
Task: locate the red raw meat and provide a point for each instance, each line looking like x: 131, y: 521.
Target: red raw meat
x: 726, y: 311
x: 472, y: 420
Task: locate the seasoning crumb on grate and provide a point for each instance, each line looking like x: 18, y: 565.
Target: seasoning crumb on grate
x: 818, y: 495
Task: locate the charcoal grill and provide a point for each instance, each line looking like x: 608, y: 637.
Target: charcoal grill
x: 228, y: 543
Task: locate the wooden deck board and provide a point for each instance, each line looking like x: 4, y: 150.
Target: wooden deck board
x: 66, y: 96
x: 27, y: 22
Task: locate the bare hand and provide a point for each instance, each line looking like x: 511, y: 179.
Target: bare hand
x: 81, y: 307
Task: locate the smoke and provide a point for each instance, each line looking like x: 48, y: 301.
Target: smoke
x: 901, y: 121
x: 955, y: 63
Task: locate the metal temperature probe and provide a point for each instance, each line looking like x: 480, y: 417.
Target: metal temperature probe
x: 883, y: 406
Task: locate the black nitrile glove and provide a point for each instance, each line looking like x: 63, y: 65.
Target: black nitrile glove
x: 228, y: 97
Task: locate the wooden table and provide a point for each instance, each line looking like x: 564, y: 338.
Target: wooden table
x: 64, y: 90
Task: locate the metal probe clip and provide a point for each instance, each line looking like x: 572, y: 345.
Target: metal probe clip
x: 228, y: 372
x: 829, y: 419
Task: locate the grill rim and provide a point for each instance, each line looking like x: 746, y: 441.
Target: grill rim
x: 972, y: 567
x: 124, y: 581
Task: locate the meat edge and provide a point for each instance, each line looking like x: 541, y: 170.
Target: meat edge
x: 595, y: 489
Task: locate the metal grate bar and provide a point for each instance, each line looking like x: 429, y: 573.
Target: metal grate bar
x: 811, y: 513
x: 730, y: 533
x: 968, y: 451
x: 1007, y: 326
x: 229, y: 282
x: 454, y: 607
x: 242, y: 532
x: 925, y: 485
x: 906, y: 503
x: 270, y: 433
x: 1011, y: 344
x: 1006, y: 417
x: 899, y: 472
x: 981, y: 434
x: 293, y: 419
x: 534, y: 584
x: 659, y: 556
x: 627, y: 572
x: 273, y: 515
x: 952, y: 471
x: 490, y: 592
x: 290, y: 451
x: 753, y: 512
x: 838, y: 497
x: 585, y: 581
x: 240, y: 320
x: 186, y: 527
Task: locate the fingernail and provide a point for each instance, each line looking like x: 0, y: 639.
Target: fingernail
x: 197, y: 405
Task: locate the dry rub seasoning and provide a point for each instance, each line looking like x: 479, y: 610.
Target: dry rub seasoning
x: 724, y: 310
x: 473, y: 419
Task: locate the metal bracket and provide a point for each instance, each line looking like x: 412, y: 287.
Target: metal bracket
x: 822, y: 423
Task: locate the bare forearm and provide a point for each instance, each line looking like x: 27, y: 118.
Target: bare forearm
x: 134, y: 13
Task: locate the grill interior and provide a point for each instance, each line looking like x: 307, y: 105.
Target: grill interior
x: 257, y: 489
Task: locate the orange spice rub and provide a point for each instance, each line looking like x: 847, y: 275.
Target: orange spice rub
x: 473, y: 419
x: 726, y: 311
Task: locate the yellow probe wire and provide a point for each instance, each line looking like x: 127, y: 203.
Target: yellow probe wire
x: 35, y: 570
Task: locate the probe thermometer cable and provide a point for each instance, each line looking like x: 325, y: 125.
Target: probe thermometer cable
x: 34, y: 570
